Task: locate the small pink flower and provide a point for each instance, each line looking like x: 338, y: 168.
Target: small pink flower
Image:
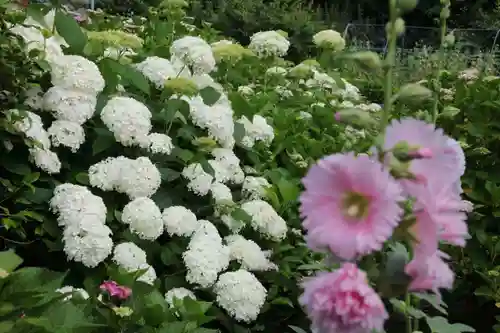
x: 350, y: 205
x: 426, y: 138
x: 115, y: 290
x: 429, y: 272
x: 337, y: 116
x: 343, y: 302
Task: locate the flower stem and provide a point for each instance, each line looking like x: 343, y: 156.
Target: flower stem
x: 442, y: 47
x: 390, y: 60
x: 408, y: 317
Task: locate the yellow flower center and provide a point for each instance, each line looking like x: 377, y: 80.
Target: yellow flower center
x: 355, y: 205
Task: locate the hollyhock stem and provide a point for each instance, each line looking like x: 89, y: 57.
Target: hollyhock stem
x: 389, y: 63
x: 437, y: 84
x: 408, y: 317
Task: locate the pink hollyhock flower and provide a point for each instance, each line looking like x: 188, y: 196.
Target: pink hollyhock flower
x: 343, y: 302
x: 455, y: 151
x: 429, y: 272
x: 350, y: 205
x: 440, y: 214
x: 115, y: 290
x: 422, y: 136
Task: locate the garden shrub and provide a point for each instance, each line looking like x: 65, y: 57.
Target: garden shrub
x: 152, y: 181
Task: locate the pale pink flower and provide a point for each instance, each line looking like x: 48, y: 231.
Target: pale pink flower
x: 115, y: 290
x: 441, y: 214
x: 429, y: 272
x: 343, y: 302
x: 350, y: 205
x: 455, y: 151
x: 422, y: 136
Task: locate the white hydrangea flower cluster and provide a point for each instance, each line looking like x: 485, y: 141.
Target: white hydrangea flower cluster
x: 254, y: 187
x: 180, y: 221
x: 269, y: 44
x: 265, y: 219
x: 194, y: 52
x: 72, y: 99
x: 256, y: 130
x: 130, y: 122
x: 34, y: 97
x: 321, y: 80
x: 329, y: 39
x: 144, y: 218
x: 157, y: 70
x: 136, y: 178
x: 206, y: 255
x: 32, y: 32
x: 70, y: 290
x: 241, y: 294
x: 31, y: 125
x: 249, y: 254
x: 132, y: 258
x: 178, y: 293
x: 226, y: 167
x: 216, y: 119
x: 82, y: 214
x: 246, y: 90
x: 276, y: 71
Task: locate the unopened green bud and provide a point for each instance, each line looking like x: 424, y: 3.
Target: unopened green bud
x: 356, y: 117
x: 449, y: 40
x: 406, y: 5
x: 204, y: 142
x: 449, y: 112
x: 367, y: 58
x: 399, y: 27
x: 123, y: 311
x: 282, y: 33
x: 445, y: 13
x: 181, y: 86
x: 413, y: 91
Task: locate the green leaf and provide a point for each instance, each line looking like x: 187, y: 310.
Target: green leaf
x: 82, y: 178
x: 102, y: 143
x: 183, y: 154
x: 210, y: 95
x: 31, y: 178
x: 16, y: 168
x: 241, y: 215
x: 441, y: 325
x: 9, y: 261
x: 289, y: 191
x: 131, y: 75
x: 169, y: 175
x: 433, y: 300
x: 69, y: 29
x: 239, y: 132
x: 297, y: 329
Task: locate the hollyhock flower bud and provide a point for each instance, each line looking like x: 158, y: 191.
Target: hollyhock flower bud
x: 343, y: 302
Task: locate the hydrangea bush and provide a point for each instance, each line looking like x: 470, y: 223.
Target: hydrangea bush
x: 159, y: 166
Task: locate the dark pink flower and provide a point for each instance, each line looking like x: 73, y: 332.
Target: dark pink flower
x: 343, y: 302
x: 115, y: 290
x: 350, y: 205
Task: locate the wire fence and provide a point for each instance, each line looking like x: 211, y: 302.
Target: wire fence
x: 373, y: 37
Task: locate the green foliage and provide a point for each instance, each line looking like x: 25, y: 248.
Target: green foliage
x: 241, y: 19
